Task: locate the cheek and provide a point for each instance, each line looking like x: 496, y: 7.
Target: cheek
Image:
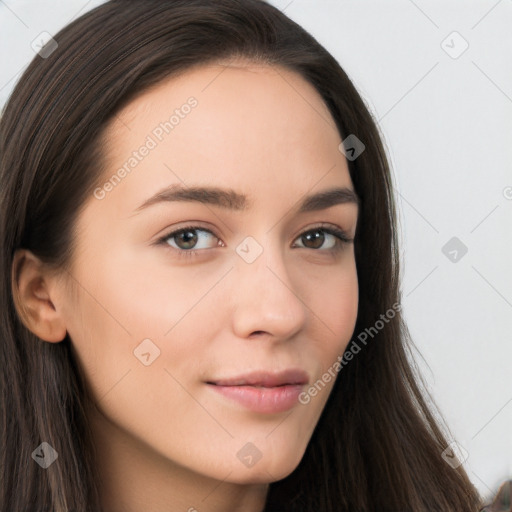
x: 152, y: 292
x: 138, y: 376
x: 333, y: 302
x: 134, y: 321
x: 335, y: 314
x: 114, y: 314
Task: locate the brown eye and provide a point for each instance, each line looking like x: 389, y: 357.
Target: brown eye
x: 313, y: 239
x: 187, y: 238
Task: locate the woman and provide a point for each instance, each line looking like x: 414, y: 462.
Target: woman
x: 266, y: 371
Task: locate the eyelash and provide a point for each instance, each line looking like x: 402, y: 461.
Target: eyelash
x: 343, y: 239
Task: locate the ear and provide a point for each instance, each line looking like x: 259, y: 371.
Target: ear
x: 32, y: 289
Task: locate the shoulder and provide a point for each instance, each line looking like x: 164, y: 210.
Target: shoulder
x: 502, y: 501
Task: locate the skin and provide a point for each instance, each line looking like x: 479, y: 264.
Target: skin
x: 165, y: 440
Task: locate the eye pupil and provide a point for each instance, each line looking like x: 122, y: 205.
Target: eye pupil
x: 189, y: 236
x: 318, y: 238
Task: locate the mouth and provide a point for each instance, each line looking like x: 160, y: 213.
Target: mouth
x: 263, y: 379
x: 261, y: 391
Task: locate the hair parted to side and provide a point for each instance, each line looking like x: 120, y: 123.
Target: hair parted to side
x: 378, y: 444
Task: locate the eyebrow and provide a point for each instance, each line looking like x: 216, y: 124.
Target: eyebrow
x: 231, y: 200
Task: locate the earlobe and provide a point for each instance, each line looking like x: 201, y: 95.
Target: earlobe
x: 32, y: 294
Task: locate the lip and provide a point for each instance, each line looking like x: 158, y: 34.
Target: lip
x: 262, y: 391
x: 265, y: 379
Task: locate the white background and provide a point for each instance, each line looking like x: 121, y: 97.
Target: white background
x: 447, y: 124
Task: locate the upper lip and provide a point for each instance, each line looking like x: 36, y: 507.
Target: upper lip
x: 265, y: 379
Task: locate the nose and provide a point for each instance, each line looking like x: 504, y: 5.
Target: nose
x: 265, y: 300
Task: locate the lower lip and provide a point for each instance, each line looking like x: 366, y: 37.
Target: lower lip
x: 263, y: 400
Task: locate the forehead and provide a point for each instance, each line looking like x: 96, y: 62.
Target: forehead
x: 245, y: 84
x: 253, y: 127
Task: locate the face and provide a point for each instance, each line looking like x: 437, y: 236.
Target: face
x: 201, y: 345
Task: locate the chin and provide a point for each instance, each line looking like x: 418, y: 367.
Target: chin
x: 266, y: 471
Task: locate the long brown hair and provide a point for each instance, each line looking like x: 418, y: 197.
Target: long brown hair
x: 378, y: 444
